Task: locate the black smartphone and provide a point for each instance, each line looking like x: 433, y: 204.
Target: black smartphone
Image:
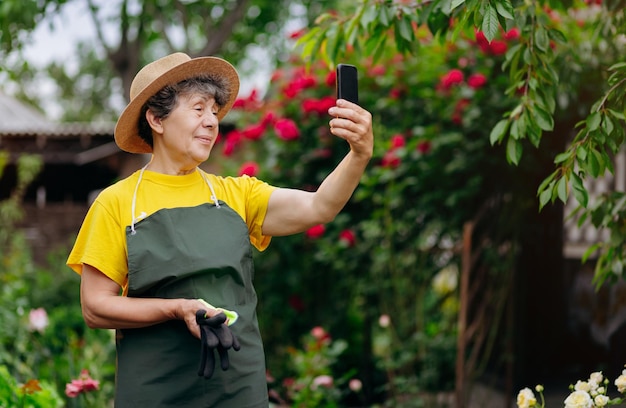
x: 347, y: 83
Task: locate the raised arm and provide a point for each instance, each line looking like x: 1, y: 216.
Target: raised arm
x: 292, y: 211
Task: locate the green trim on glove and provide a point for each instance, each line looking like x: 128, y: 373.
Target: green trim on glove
x: 232, y: 316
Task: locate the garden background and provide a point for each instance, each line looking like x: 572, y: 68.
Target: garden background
x: 489, y: 114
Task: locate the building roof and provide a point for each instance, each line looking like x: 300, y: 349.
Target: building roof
x: 19, y: 119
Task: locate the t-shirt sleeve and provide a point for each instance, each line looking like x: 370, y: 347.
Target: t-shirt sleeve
x: 101, y: 243
x: 259, y: 193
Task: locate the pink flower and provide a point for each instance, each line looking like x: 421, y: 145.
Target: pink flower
x: 347, y: 237
x: 84, y: 383
x: 318, y: 332
x: 38, y: 319
x: 476, y: 80
x: 384, y: 321
x: 249, y: 168
x: 355, y: 385
x: 74, y: 388
x: 322, y: 381
x: 316, y: 231
x: 286, y: 129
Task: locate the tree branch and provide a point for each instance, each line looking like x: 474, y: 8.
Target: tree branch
x: 218, y: 36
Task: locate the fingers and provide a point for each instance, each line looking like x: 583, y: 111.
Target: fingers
x: 354, y: 124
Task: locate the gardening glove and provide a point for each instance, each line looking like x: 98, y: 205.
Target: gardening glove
x: 214, y: 334
x: 231, y: 315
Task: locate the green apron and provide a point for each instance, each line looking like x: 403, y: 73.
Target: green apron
x: 190, y: 252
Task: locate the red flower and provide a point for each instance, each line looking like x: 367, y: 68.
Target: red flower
x: 299, y: 83
x: 390, y: 159
x: 347, y: 237
x: 498, y: 47
x: 296, y: 303
x: 453, y: 77
x: 318, y: 106
x: 424, y: 146
x: 457, y: 115
x: 249, y: 168
x: 316, y: 231
x: 395, y: 93
x: 331, y: 78
x: 268, y: 119
x: 286, y: 129
x: 297, y: 34
x: 233, y: 139
x: 253, y: 132
x: 512, y: 34
x: 397, y: 141
x: 476, y: 81
x: 378, y: 70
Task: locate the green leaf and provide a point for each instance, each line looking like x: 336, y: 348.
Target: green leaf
x: 544, y: 119
x: 514, y: 151
x: 561, y: 189
x: 593, y: 121
x: 542, y: 41
x: 578, y: 189
x: 561, y: 157
x: 505, y: 9
x: 546, y: 195
x: 498, y: 131
x: 490, y: 25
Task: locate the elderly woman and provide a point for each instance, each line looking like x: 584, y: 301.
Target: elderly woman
x: 171, y: 239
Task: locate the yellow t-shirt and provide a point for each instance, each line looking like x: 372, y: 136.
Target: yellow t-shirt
x: 101, y: 241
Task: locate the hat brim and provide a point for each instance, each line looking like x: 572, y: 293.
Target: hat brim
x: 127, y: 128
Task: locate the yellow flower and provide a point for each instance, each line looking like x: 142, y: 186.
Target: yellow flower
x: 526, y: 398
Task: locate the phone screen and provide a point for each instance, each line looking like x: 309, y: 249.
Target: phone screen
x: 347, y: 83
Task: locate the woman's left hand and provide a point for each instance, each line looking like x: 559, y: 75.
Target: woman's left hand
x: 353, y: 124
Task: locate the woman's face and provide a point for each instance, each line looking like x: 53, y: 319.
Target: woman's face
x: 189, y: 132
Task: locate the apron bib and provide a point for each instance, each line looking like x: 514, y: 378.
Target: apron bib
x: 190, y: 252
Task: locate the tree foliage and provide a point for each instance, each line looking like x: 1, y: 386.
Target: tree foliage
x: 131, y: 33
x: 570, y: 54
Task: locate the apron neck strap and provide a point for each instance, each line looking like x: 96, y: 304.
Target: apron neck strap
x: 134, y: 202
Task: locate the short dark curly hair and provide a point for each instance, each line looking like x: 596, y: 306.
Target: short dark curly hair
x: 165, y: 101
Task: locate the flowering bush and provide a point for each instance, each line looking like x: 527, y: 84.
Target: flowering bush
x: 43, y: 334
x: 591, y: 393
x: 313, y: 383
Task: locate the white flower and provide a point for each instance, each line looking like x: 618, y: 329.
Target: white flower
x: 38, y: 319
x: 579, y: 399
x: 620, y: 382
x: 526, y: 398
x: 595, y: 379
x: 582, y: 386
x: 601, y: 400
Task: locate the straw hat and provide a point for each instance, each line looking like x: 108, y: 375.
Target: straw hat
x: 166, y: 71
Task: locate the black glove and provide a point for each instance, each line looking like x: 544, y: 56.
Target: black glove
x: 215, y: 334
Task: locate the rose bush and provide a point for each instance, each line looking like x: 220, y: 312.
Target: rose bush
x: 592, y: 393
